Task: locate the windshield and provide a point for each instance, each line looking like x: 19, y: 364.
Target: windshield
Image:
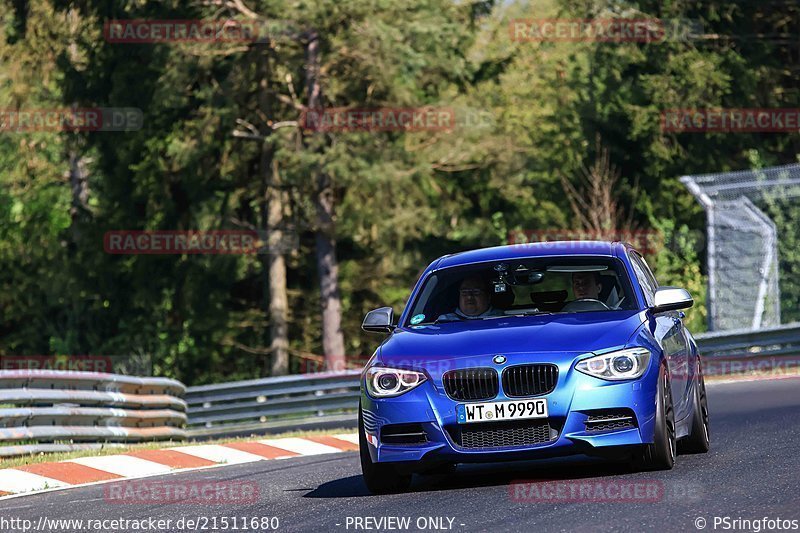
x: 523, y: 287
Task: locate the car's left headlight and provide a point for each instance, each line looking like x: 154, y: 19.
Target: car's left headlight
x: 617, y: 366
x: 384, y: 382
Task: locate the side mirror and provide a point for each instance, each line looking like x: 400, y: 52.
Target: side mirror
x: 379, y: 320
x: 671, y: 299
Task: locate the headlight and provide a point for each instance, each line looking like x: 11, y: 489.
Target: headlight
x: 387, y: 382
x: 617, y: 366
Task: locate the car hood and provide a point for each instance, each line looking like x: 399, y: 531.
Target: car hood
x: 546, y: 338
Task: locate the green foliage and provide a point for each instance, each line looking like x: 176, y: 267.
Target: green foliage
x: 675, y: 261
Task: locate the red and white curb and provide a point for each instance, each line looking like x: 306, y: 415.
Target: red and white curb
x: 145, y: 463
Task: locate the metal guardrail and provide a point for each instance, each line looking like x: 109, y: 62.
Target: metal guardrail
x: 58, y: 409
x: 744, y: 343
x: 288, y: 402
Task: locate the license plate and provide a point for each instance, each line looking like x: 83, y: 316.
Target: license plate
x: 497, y: 411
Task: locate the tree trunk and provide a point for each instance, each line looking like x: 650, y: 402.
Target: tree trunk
x: 78, y: 212
x: 273, y: 263
x: 278, y: 301
x: 328, y: 270
x: 79, y: 185
x: 325, y: 240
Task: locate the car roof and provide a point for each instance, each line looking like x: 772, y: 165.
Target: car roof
x: 539, y: 249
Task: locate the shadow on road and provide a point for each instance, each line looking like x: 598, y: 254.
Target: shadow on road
x: 471, y: 476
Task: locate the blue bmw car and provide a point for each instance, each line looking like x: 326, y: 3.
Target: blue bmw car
x: 531, y: 351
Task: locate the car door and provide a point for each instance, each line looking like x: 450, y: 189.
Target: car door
x: 670, y: 334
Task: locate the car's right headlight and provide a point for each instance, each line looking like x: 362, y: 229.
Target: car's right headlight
x: 385, y: 382
x: 630, y: 363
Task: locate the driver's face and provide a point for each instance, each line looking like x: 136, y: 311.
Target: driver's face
x: 473, y: 298
x: 585, y: 286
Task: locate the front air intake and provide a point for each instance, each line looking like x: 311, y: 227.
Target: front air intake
x: 610, y: 420
x: 511, y: 434
x: 403, y: 434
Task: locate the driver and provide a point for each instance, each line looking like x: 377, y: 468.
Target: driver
x: 586, y: 285
x: 473, y: 300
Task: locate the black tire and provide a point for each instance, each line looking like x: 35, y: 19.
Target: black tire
x: 660, y: 455
x: 698, y: 439
x: 380, y: 478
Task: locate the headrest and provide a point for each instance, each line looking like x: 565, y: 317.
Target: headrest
x: 548, y: 297
x: 503, y: 300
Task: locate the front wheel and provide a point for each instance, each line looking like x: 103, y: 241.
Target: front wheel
x: 380, y: 478
x: 698, y: 441
x: 660, y: 455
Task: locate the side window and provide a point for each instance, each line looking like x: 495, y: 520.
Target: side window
x: 424, y: 297
x: 647, y: 284
x: 648, y: 272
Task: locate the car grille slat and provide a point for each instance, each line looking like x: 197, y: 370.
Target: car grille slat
x: 471, y: 384
x: 520, y: 381
x: 502, y: 434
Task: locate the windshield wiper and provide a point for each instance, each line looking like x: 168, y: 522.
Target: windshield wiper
x: 437, y: 321
x: 532, y: 313
x: 458, y: 318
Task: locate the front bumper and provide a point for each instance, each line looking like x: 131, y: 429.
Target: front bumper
x: 575, y: 397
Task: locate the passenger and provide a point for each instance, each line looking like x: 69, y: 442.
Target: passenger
x: 473, y: 301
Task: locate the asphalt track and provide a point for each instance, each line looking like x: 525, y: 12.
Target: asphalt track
x: 752, y: 472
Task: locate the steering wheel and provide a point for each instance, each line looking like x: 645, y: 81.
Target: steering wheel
x: 585, y: 304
